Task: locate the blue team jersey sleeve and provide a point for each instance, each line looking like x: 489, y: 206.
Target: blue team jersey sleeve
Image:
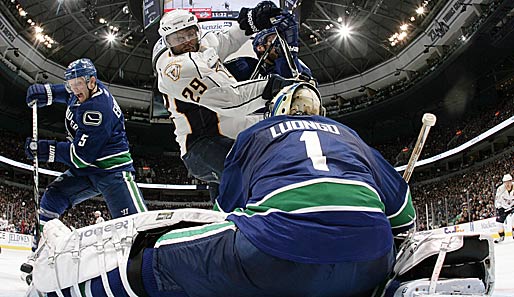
x: 60, y: 93
x: 94, y: 130
x: 282, y: 67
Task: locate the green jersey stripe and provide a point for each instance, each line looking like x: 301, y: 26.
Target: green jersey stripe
x: 193, y: 233
x: 109, y: 162
x: 407, y: 214
x: 328, y: 195
x: 134, y: 192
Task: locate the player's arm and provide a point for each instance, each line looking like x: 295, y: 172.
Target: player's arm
x: 93, y: 133
x: 217, y: 90
x: 46, y: 94
x: 396, y: 194
x: 226, y: 42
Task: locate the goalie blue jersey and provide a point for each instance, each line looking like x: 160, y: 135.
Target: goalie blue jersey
x: 308, y: 189
x: 97, y: 142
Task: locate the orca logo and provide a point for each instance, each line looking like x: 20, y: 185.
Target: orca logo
x: 92, y: 118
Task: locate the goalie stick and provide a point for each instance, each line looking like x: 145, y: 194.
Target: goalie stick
x: 428, y: 121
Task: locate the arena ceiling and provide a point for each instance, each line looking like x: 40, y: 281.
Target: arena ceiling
x: 76, y: 29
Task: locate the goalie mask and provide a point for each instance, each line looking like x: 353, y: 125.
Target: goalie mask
x: 178, y: 28
x: 300, y: 98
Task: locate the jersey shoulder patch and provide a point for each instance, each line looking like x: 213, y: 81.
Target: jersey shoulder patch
x: 172, y: 71
x: 92, y: 118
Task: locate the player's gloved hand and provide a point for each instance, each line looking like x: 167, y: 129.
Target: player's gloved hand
x: 274, y: 85
x: 287, y: 27
x: 40, y: 94
x: 255, y: 19
x: 45, y: 149
x: 54, y: 231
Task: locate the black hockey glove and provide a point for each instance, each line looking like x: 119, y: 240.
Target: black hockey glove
x: 253, y: 20
x: 45, y: 149
x: 274, y: 85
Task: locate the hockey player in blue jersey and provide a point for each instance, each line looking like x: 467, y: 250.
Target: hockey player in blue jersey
x: 306, y: 209
x: 97, y: 150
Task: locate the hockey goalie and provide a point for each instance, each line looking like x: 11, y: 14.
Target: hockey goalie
x: 305, y: 208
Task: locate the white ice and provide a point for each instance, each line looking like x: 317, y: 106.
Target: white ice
x: 11, y: 284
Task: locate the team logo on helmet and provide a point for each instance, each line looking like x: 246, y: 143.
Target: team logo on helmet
x: 173, y: 71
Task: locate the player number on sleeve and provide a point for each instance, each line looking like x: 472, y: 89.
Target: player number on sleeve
x: 314, y: 152
x: 83, y: 140
x: 194, y: 90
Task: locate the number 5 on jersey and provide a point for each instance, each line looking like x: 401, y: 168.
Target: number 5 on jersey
x: 314, y: 152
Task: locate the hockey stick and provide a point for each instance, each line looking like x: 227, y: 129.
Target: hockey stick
x: 428, y: 121
x: 35, y: 164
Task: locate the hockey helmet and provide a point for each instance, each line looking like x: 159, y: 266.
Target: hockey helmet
x: 261, y: 39
x: 79, y: 68
x: 300, y: 98
x: 172, y: 26
x: 506, y: 178
x: 158, y: 49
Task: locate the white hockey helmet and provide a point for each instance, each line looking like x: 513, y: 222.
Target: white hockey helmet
x: 507, y: 177
x: 300, y: 98
x: 175, y: 21
x: 158, y: 49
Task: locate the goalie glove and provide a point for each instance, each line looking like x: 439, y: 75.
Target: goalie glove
x: 45, y: 149
x: 258, y: 18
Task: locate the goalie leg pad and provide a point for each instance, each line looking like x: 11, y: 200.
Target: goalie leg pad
x: 92, y: 251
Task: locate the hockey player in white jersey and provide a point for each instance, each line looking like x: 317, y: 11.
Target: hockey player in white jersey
x: 504, y: 203
x: 207, y: 105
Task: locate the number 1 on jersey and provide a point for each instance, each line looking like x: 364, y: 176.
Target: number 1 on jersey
x: 314, y: 152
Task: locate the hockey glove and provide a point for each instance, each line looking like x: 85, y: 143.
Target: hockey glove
x: 255, y: 19
x: 287, y: 27
x: 40, y: 94
x: 45, y: 149
x: 274, y: 85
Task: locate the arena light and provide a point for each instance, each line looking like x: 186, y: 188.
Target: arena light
x: 110, y: 37
x: 345, y: 31
x: 404, y: 27
x: 38, y: 29
x: 420, y: 10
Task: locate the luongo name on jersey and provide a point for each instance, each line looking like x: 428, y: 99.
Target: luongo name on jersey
x: 309, y: 189
x: 96, y: 133
x: 202, y: 95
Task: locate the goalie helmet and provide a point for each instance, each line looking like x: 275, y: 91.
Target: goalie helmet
x: 300, y: 98
x: 175, y: 21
